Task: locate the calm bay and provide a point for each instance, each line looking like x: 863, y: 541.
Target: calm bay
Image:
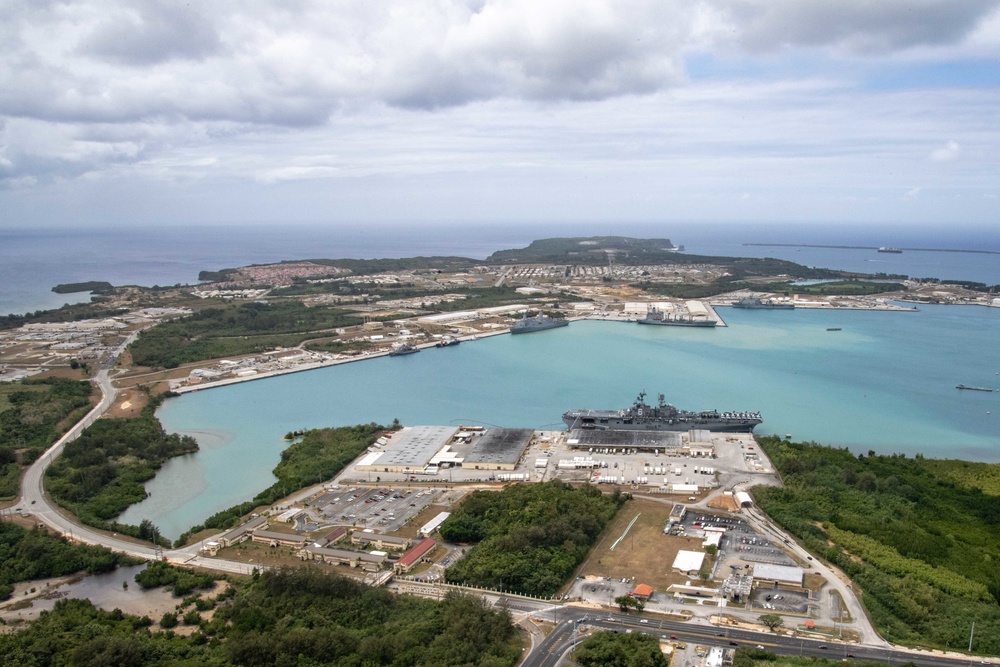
x: 885, y: 381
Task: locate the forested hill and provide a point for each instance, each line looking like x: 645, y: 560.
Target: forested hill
x: 922, y: 543
x: 285, y: 618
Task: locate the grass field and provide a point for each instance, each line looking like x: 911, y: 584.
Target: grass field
x: 645, y: 553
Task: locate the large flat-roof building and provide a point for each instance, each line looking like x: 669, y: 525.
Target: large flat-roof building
x: 647, y: 441
x: 498, y: 449
x: 409, y: 450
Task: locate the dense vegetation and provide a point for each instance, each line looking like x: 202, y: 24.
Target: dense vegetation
x: 102, y: 472
x: 181, y: 580
x: 924, y: 548
x: 280, y: 619
x: 31, y: 415
x: 317, y: 456
x: 612, y: 649
x: 98, y: 286
x: 36, y: 554
x: 71, y: 312
x: 588, y: 250
x: 837, y: 288
x: 530, y: 537
x: 748, y: 656
x: 234, y: 329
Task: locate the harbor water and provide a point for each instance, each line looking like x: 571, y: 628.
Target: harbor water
x: 883, y: 381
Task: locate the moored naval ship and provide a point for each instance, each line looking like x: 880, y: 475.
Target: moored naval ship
x: 754, y: 303
x: 661, y: 417
x: 655, y: 316
x: 539, y: 322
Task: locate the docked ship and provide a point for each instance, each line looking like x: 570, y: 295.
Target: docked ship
x: 895, y: 251
x: 754, y: 303
x: 403, y: 349
x: 655, y: 316
x: 661, y: 417
x: 447, y: 341
x: 539, y: 322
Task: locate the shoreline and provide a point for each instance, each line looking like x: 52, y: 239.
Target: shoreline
x: 177, y: 388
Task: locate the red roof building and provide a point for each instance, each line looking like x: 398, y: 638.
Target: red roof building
x: 644, y: 591
x: 413, y: 556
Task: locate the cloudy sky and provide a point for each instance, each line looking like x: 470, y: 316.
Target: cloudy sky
x: 158, y: 112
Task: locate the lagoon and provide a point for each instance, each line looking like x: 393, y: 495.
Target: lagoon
x: 885, y: 381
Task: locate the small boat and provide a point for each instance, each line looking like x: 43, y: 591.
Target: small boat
x: 833, y: 329
x: 964, y: 386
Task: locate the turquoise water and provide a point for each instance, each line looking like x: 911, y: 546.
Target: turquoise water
x: 885, y: 382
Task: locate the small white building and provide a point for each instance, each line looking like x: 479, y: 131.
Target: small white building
x: 689, y: 561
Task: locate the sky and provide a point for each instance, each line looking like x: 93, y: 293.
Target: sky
x: 159, y: 112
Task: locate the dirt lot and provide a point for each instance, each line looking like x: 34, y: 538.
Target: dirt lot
x: 128, y: 404
x: 645, y: 553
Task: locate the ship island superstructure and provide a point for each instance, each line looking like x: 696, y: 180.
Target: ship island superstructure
x: 660, y: 417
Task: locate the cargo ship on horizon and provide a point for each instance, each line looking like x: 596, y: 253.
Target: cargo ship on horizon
x: 661, y: 417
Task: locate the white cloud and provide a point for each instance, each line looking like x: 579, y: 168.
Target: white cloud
x: 912, y: 193
x: 581, y: 105
x: 947, y: 153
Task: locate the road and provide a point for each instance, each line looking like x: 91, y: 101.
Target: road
x: 35, y: 502
x: 551, y: 651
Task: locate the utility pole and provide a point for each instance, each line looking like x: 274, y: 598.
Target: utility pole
x: 972, y: 632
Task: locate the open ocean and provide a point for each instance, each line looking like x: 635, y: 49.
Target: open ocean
x: 34, y: 261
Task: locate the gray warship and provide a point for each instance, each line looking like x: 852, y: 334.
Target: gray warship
x: 539, y: 322
x: 661, y: 417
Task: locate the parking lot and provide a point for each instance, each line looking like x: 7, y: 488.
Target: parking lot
x: 780, y: 601
x: 385, y: 509
x: 740, y: 545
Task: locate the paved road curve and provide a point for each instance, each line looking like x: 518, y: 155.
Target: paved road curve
x: 35, y: 502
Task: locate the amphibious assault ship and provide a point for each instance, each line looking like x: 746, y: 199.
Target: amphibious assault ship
x: 762, y: 304
x: 539, y: 322
x: 661, y: 417
x: 655, y: 316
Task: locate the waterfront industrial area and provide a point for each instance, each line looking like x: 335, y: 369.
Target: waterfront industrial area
x: 691, y: 545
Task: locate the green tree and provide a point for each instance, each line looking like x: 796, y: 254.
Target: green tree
x: 611, y: 649
x: 772, y: 621
x: 627, y: 602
